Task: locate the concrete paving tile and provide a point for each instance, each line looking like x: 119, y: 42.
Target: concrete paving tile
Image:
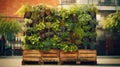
x: 15, y: 61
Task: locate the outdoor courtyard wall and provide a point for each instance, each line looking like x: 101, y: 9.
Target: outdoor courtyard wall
x: 9, y: 7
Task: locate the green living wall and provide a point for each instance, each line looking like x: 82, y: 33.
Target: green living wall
x: 59, y: 28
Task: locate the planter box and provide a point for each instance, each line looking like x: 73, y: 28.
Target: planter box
x: 28, y: 15
x: 87, y: 55
x: 68, y: 56
x: 40, y: 56
x: 50, y: 56
x: 83, y: 55
x: 31, y: 56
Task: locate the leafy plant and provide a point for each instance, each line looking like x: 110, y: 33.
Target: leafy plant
x: 47, y: 44
x: 68, y: 47
x: 79, y: 31
x: 84, y: 19
x: 93, y: 8
x: 9, y: 26
x: 55, y: 42
x: 24, y: 8
x: 63, y: 29
x: 87, y: 28
x: 27, y: 21
x: 32, y: 42
x: 33, y: 39
x: 51, y: 43
x: 40, y: 26
x: 64, y: 13
x: 111, y: 23
x: 55, y: 26
x: 86, y: 44
x: 74, y: 9
x: 63, y: 35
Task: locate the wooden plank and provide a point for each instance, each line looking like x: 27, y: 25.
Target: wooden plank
x: 87, y: 59
x: 87, y: 51
x: 32, y: 55
x: 73, y: 52
x: 68, y: 55
x: 50, y: 59
x: 31, y: 51
x: 52, y: 51
x: 68, y: 59
x: 86, y: 55
x: 50, y: 55
x: 31, y: 59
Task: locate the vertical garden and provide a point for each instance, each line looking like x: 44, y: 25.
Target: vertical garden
x: 68, y: 30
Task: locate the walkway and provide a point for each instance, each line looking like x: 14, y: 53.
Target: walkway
x: 103, y: 61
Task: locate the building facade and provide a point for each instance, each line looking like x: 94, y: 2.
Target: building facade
x: 105, y: 7
x: 105, y: 45
x: 9, y: 7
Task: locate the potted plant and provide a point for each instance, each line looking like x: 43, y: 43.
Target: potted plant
x: 111, y: 24
x: 11, y: 27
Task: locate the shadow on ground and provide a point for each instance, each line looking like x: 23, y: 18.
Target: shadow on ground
x: 72, y: 63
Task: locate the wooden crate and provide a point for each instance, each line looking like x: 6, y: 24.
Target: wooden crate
x: 59, y: 56
x: 68, y: 56
x: 50, y: 56
x: 87, y: 55
x: 31, y: 56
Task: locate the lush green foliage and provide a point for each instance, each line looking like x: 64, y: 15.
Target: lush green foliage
x: 112, y: 22
x: 23, y: 9
x: 65, y: 29
x: 9, y: 26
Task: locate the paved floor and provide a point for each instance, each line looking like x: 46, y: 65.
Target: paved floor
x: 102, y: 61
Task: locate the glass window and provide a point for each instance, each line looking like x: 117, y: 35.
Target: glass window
x: 88, y: 2
x: 118, y: 2
x: 68, y: 1
x: 95, y: 2
x: 83, y: 1
x: 107, y: 2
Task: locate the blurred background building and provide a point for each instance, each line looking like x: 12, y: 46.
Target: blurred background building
x: 105, y: 7
x: 105, y: 44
